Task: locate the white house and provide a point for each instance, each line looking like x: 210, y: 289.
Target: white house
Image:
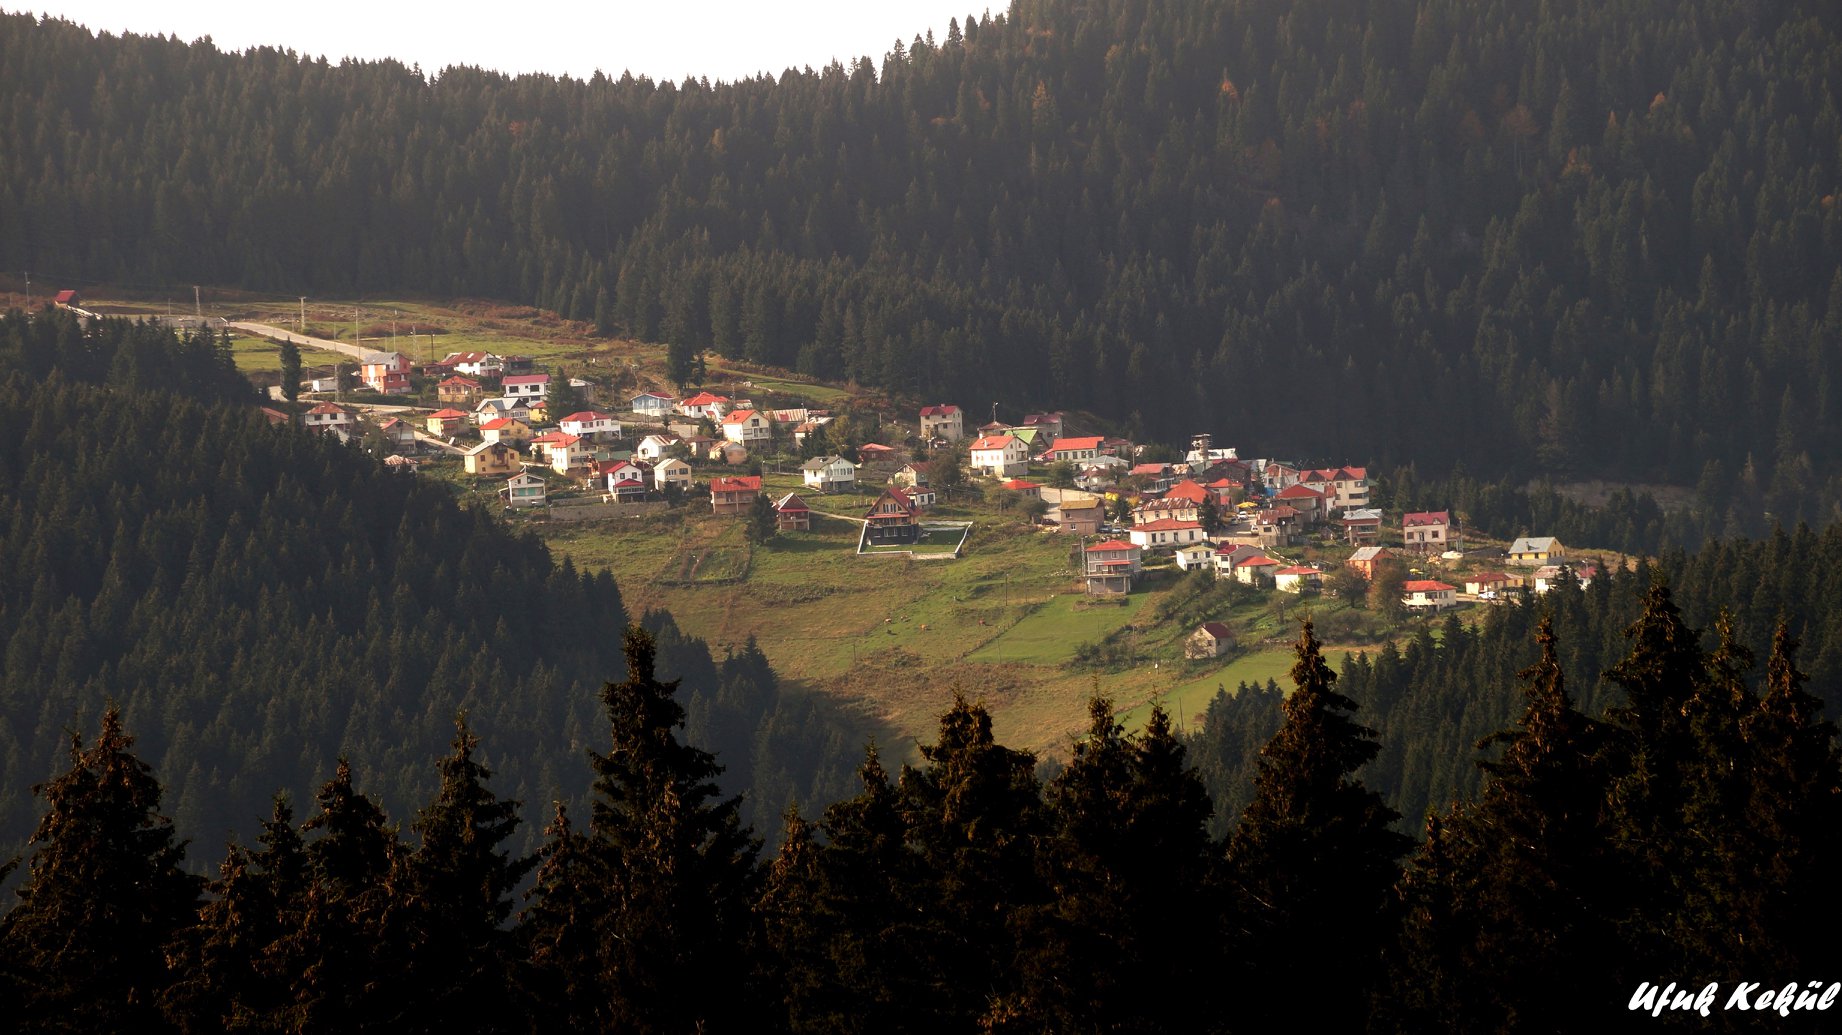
x: 942, y: 421
x: 999, y: 456
x: 565, y: 451
x: 1168, y: 534
x: 1297, y: 579
x: 703, y: 404
x: 588, y: 424
x: 655, y: 447
x: 747, y: 427
x: 829, y: 474
x: 1074, y: 449
x: 526, y: 386
x: 1195, y: 555
x: 1428, y: 595
x: 329, y: 416
x: 476, y: 364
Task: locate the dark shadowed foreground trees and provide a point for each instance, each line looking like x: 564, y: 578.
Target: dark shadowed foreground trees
x: 965, y: 895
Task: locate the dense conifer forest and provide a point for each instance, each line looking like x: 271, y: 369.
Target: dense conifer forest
x: 257, y: 600
x: 1577, y: 239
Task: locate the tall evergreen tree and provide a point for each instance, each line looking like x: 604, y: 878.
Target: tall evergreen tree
x: 84, y: 947
x: 1129, y: 865
x: 973, y: 812
x: 457, y: 898
x: 1311, y: 867
x: 290, y: 371
x: 678, y: 863
x: 1515, y: 895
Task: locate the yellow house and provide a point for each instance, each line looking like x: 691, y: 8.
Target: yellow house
x: 1536, y: 550
x: 491, y: 458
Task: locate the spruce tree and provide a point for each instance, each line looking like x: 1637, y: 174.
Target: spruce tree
x: 290, y: 371
x: 458, y: 898
x: 678, y: 862
x: 1311, y: 867
x: 1129, y: 863
x: 1794, y: 822
x: 974, y: 813
x: 557, y: 933
x: 84, y: 947
x: 1515, y: 895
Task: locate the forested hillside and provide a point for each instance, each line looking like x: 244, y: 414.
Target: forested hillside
x: 1566, y: 238
x: 258, y: 600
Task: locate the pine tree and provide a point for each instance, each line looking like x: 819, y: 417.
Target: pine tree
x: 229, y: 979
x: 1312, y: 865
x: 1794, y: 819
x: 1129, y: 862
x: 762, y: 521
x: 458, y: 898
x: 1519, y: 891
x: 679, y: 864
x: 557, y: 932
x: 290, y: 371
x: 974, y: 812
x: 84, y: 946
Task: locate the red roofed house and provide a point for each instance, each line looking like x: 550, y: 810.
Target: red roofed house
x: 1343, y: 487
x: 1018, y: 485
x: 1298, y: 579
x: 458, y: 389
x: 329, y: 417
x: 529, y: 387
x: 446, y: 422
x: 1188, y: 490
x: 1255, y: 571
x: 1210, y: 640
x: 1166, y: 534
x: 1074, y: 449
x: 1158, y: 477
x: 733, y: 495
x: 67, y: 299
x: 876, y: 452
x: 1427, y: 595
x: 792, y: 515
x: 1110, y: 567
x: 893, y: 518
x: 1278, y: 474
x: 1492, y: 582
x: 747, y: 427
x: 703, y: 404
x: 506, y: 429
x: 1309, y: 502
x: 1046, y: 424
x: 588, y: 424
x: 999, y: 456
x: 567, y: 452
x: 1426, y: 531
x: 1167, y: 509
x: 942, y: 422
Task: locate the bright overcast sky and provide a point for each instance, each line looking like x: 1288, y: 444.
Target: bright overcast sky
x: 720, y: 39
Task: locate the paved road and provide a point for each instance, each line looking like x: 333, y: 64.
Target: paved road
x: 263, y: 330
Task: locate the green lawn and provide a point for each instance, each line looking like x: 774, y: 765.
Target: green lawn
x: 1188, y: 700
x: 255, y: 354
x: 1050, y: 634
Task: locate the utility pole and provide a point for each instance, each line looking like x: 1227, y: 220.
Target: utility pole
x: 303, y: 329
x: 198, y: 308
x: 28, y: 292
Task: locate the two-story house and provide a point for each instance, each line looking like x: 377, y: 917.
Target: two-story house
x: 747, y: 427
x: 998, y: 456
x: 1426, y: 532
x: 942, y: 422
